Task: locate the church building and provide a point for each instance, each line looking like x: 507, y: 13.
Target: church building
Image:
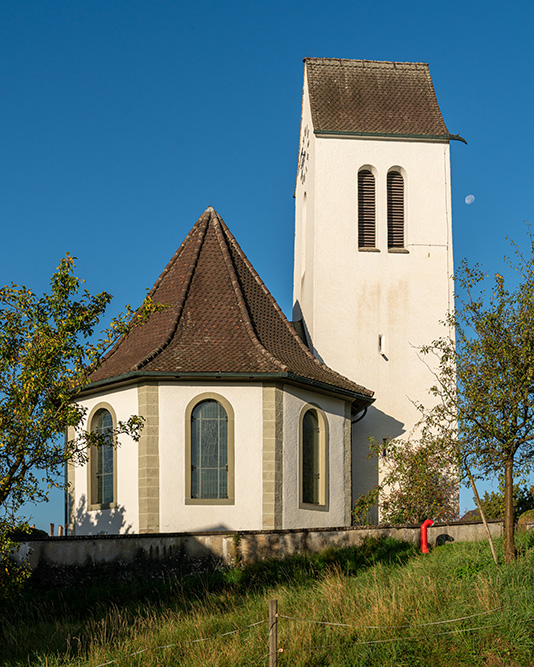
x: 253, y: 422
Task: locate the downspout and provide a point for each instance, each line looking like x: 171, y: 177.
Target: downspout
x: 360, y: 416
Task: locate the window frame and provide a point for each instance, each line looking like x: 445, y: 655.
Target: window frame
x: 92, y: 486
x: 324, y: 487
x: 230, y: 444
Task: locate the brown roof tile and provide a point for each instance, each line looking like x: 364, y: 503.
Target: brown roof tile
x: 221, y: 319
x: 371, y: 97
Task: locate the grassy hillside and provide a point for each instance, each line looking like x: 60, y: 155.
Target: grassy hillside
x: 394, y: 600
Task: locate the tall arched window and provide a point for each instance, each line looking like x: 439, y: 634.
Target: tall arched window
x: 314, y: 459
x: 311, y: 468
x: 395, y: 188
x: 103, y: 460
x: 366, y: 209
x: 209, y: 451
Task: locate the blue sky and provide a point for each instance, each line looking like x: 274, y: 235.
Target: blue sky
x: 123, y: 120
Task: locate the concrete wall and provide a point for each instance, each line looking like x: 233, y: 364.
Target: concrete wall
x: 223, y: 546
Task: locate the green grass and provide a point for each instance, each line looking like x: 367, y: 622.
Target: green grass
x: 382, y: 583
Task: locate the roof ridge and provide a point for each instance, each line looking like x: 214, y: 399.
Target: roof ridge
x: 249, y: 328
x: 365, y: 61
x: 202, y: 224
x: 150, y: 293
x: 178, y: 252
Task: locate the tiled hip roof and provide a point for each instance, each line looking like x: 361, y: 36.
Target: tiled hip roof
x: 371, y: 97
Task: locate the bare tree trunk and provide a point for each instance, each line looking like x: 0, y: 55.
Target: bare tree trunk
x: 482, y: 515
x: 509, y: 541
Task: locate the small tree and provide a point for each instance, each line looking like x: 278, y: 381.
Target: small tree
x: 493, y: 502
x: 419, y: 481
x: 485, y: 381
x: 46, y: 358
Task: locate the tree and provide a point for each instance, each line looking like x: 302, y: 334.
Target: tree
x: 419, y: 481
x: 46, y: 358
x: 485, y: 381
x: 493, y: 502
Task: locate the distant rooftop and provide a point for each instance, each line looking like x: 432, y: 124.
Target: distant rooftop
x: 373, y: 97
x: 221, y: 321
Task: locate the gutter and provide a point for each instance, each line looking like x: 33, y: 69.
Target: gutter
x: 134, y: 376
x: 390, y: 135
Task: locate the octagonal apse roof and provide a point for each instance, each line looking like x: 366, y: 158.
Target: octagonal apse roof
x: 221, y: 321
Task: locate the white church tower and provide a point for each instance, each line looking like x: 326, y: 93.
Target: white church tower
x: 373, y: 239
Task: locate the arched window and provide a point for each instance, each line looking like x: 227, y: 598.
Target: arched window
x: 395, y: 187
x: 102, y: 460
x: 209, y: 451
x: 314, y: 454
x: 366, y: 209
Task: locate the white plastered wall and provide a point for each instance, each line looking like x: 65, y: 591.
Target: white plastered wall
x: 357, y: 296
x: 123, y: 517
x: 304, y: 266
x: 295, y: 401
x: 246, y: 513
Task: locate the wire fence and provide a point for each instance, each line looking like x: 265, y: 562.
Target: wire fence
x: 391, y: 627
x: 275, y: 650
x: 190, y: 641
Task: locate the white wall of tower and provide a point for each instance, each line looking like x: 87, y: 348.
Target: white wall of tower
x: 357, y: 296
x: 304, y: 265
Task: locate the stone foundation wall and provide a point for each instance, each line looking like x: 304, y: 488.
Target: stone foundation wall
x: 245, y: 546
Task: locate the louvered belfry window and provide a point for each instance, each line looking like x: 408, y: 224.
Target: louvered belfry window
x: 366, y: 209
x: 395, y: 210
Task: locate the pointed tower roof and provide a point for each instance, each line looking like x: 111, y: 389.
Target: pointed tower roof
x: 369, y: 97
x: 221, y: 322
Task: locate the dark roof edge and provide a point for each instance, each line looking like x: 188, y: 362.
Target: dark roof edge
x: 389, y: 135
x: 230, y: 237
x: 151, y: 292
x: 202, y: 224
x: 223, y: 239
x: 365, y: 61
x: 132, y: 376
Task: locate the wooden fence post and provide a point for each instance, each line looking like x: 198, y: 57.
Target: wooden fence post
x: 273, y: 640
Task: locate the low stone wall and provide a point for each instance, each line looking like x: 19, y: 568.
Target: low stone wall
x: 245, y: 546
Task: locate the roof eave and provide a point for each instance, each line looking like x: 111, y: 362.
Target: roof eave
x: 389, y: 135
x: 133, y: 377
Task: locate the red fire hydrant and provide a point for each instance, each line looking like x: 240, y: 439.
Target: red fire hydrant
x: 424, y: 542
